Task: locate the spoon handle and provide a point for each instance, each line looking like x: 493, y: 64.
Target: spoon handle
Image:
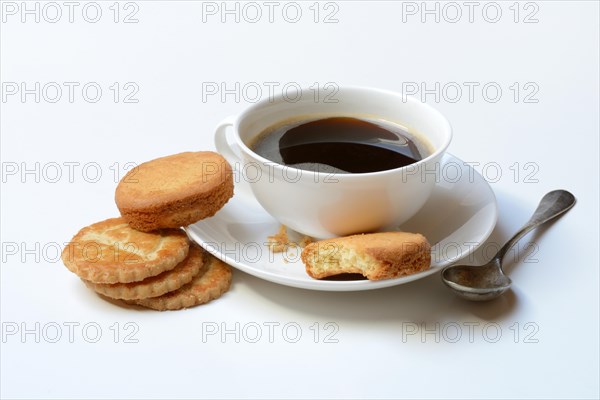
x: 551, y: 206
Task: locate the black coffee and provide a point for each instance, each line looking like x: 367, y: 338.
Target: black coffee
x: 340, y: 144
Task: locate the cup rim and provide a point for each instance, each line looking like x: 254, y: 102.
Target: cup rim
x: 280, y: 167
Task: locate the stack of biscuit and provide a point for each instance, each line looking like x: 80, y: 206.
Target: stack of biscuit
x: 143, y: 257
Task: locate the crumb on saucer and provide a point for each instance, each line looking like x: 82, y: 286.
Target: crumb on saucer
x: 278, y: 242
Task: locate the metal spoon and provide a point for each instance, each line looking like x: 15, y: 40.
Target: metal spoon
x: 485, y: 282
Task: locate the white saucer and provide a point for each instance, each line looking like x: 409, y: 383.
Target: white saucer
x: 458, y: 217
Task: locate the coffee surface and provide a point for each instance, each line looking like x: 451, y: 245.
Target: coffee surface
x: 340, y: 145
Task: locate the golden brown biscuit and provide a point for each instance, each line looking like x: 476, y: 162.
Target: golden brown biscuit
x: 202, y: 289
x: 174, y: 191
x: 111, y: 251
x: 157, y: 285
x: 376, y: 256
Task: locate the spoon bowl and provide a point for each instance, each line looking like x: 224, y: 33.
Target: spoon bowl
x: 488, y: 281
x: 477, y: 283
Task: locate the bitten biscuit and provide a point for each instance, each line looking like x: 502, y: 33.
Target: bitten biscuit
x: 157, y: 285
x: 203, y: 288
x: 376, y: 256
x: 111, y: 251
x: 174, y: 191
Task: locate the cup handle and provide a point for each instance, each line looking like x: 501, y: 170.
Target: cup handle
x: 230, y: 152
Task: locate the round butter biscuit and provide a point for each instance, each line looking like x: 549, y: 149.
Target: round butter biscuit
x: 174, y: 191
x: 112, y: 252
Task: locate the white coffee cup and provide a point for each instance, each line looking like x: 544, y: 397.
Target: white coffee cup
x: 325, y: 205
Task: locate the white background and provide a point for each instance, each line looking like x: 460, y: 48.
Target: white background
x: 172, y: 53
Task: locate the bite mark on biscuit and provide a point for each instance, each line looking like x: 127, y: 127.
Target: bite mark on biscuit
x: 375, y: 256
